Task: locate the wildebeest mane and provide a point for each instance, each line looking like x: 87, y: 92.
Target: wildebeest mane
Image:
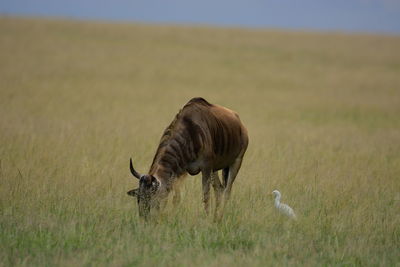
x: 181, y: 140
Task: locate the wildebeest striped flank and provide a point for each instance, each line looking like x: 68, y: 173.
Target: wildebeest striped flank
x: 202, y: 138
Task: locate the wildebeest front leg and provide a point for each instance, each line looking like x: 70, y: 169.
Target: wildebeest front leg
x: 225, y: 175
x: 218, y: 189
x: 177, y: 196
x: 206, y: 189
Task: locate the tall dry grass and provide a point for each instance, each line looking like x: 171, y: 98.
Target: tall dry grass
x: 78, y: 99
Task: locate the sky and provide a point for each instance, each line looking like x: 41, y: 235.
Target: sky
x: 373, y: 16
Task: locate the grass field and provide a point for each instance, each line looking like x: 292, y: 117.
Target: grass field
x: 78, y: 99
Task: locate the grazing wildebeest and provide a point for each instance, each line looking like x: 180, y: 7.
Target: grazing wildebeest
x: 202, y: 137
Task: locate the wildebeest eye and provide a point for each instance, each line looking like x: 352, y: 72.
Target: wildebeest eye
x: 154, y: 182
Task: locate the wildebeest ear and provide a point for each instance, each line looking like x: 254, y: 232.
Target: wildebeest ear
x: 133, y: 192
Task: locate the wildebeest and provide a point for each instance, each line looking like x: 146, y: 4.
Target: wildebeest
x: 202, y: 138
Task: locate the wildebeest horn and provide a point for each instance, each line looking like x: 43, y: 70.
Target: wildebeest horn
x: 134, y: 173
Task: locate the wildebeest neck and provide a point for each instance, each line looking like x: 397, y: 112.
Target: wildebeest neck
x: 179, y: 146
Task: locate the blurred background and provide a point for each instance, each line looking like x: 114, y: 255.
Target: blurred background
x: 343, y: 15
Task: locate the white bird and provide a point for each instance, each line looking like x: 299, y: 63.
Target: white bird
x: 283, y: 208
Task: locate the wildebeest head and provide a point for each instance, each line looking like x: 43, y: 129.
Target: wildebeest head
x: 146, y: 194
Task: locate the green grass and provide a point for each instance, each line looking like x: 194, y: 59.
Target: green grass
x: 78, y: 99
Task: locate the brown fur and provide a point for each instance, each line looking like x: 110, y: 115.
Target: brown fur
x: 202, y: 138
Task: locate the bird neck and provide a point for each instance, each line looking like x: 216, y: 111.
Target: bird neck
x: 277, y: 201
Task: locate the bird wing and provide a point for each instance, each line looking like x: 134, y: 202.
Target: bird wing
x: 288, y: 211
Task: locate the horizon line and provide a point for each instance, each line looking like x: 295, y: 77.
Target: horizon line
x: 96, y: 19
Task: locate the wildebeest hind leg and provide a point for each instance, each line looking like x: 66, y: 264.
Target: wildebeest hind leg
x: 233, y: 171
